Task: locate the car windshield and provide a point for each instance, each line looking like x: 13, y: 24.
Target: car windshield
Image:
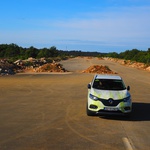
x: 108, y: 84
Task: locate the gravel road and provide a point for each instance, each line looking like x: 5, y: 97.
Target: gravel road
x: 48, y: 111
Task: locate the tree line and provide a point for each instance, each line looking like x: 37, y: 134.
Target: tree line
x: 14, y: 52
x: 133, y: 55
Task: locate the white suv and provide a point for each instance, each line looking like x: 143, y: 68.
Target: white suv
x: 107, y: 94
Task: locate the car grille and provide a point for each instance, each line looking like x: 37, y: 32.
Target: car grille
x: 110, y: 102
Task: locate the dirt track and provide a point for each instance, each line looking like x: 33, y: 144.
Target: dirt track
x: 47, y: 111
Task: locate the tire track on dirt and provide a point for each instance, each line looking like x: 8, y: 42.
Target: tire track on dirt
x: 75, y: 131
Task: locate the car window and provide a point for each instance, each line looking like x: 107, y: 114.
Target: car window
x: 108, y: 84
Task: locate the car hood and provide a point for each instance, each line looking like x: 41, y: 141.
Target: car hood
x: 106, y: 94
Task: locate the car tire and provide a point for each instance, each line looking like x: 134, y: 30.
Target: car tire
x: 89, y: 112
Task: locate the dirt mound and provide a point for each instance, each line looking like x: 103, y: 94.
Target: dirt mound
x: 51, y: 67
x: 130, y: 63
x: 6, y: 67
x: 30, y: 65
x: 148, y: 68
x: 98, y: 69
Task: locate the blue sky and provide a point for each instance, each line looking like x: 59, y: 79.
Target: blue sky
x: 87, y: 25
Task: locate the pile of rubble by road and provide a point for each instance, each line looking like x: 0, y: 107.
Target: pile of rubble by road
x: 130, y: 63
x: 6, y: 67
x: 50, y: 67
x: 99, y: 69
x: 29, y: 65
x: 43, y: 65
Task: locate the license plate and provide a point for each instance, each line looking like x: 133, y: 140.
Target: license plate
x: 110, y: 109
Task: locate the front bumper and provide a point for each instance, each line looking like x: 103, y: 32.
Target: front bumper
x: 99, y: 108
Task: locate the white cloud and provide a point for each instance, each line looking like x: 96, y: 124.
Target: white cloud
x: 112, y: 27
x: 130, y: 22
x: 128, y: 27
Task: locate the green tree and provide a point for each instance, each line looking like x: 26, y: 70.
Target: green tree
x: 12, y: 50
x: 113, y: 54
x: 43, y: 53
x: 53, y: 52
x: 2, y: 50
x: 31, y: 52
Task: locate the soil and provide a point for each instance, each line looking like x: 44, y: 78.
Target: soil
x: 99, y: 69
x: 11, y: 68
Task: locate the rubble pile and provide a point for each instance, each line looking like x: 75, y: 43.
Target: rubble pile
x: 29, y: 65
x: 6, y: 67
x: 99, y: 69
x: 148, y: 68
x: 51, y: 67
x: 130, y: 63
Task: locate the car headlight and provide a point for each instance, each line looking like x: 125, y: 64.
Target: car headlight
x: 93, y: 97
x: 127, y: 99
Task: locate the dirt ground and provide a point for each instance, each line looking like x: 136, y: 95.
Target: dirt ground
x: 43, y: 111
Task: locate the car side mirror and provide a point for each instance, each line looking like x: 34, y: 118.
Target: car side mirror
x: 128, y: 88
x: 89, y: 86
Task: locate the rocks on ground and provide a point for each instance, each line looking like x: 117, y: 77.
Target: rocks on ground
x: 130, y: 63
x: 50, y: 67
x: 99, y: 69
x: 42, y: 65
x: 6, y: 67
x: 29, y: 65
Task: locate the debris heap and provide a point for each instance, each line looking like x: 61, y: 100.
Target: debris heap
x: 130, y: 63
x: 51, y: 67
x: 29, y: 65
x: 6, y: 67
x: 99, y: 69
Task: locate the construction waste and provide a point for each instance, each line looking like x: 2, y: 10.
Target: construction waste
x: 43, y: 65
x: 99, y: 69
x: 50, y: 67
x: 29, y: 65
x: 129, y: 63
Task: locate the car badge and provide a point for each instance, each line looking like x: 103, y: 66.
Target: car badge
x: 110, y: 101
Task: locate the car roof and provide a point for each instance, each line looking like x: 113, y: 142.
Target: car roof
x: 98, y: 76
